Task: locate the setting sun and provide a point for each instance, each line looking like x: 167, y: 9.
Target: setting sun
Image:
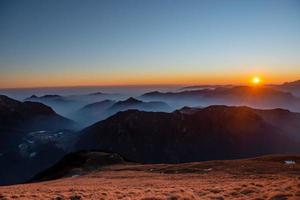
x: 256, y: 80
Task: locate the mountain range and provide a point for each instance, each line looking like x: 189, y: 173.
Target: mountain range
x: 256, y: 97
x: 215, y: 132
x: 147, y: 130
x: 66, y: 105
x: 292, y: 87
x: 95, y: 112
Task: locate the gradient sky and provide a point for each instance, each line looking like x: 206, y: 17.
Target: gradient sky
x: 71, y: 42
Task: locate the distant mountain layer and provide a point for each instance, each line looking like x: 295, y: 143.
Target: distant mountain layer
x: 66, y: 105
x: 132, y: 103
x: 258, y: 97
x: 292, y: 84
x: 94, y: 112
x: 293, y: 87
x: 215, y: 132
x: 197, y: 87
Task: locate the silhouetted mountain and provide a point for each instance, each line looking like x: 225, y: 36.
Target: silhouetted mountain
x: 292, y: 84
x: 284, y: 120
x: 132, y: 103
x: 30, y: 133
x: 95, y: 112
x: 258, y: 97
x: 47, y: 98
x: 78, y: 163
x: 19, y: 118
x: 60, y: 104
x: 200, y: 87
x: 30, y: 116
x: 215, y: 132
x: 96, y: 93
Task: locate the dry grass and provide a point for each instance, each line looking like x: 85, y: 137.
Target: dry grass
x: 243, y: 179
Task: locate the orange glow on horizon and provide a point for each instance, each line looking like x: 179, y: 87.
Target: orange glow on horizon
x: 86, y: 79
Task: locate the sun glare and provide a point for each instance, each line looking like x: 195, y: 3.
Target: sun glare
x: 256, y: 80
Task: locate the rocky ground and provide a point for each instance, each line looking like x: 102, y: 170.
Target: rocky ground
x: 269, y: 177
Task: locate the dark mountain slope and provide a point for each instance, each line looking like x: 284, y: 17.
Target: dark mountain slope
x: 30, y: 116
x: 62, y: 105
x: 216, y: 132
x: 284, y: 120
x: 18, y: 118
x: 29, y: 134
x: 78, y: 163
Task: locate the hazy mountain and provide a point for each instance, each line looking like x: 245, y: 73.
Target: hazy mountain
x: 216, y: 132
x: 293, y: 87
x: 66, y: 105
x: 60, y: 104
x: 295, y: 84
x: 200, y: 87
x: 132, y: 103
x: 257, y: 97
x: 94, y: 112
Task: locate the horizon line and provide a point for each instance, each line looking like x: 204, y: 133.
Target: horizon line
x: 132, y: 85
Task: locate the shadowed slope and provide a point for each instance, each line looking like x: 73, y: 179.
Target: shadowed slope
x: 216, y: 132
x: 29, y: 138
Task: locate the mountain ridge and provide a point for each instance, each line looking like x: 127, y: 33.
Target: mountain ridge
x: 215, y: 132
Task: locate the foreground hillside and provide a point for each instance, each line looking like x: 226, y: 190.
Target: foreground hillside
x: 267, y: 177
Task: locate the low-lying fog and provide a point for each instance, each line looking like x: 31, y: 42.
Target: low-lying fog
x: 23, y: 93
x: 87, y: 105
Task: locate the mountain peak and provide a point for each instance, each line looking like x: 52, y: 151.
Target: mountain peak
x: 293, y: 83
x: 152, y: 93
x: 6, y: 102
x: 131, y: 100
x: 51, y: 96
x: 95, y: 93
x: 33, y: 96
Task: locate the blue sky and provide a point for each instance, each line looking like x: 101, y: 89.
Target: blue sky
x: 72, y: 42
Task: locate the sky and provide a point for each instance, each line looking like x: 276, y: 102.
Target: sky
x: 140, y: 42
